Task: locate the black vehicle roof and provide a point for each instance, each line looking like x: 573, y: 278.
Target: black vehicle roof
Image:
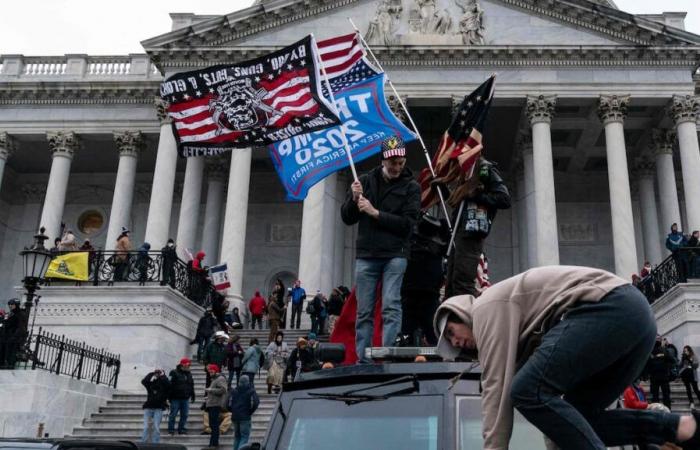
x: 367, y: 373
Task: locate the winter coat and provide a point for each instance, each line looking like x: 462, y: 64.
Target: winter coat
x: 206, y: 326
x: 169, y: 254
x: 398, y: 202
x: 217, y: 392
x: 257, y: 305
x: 243, y: 401
x: 251, y: 359
x: 215, y: 353
x: 301, y: 360
x: 660, y: 364
x: 481, y: 206
x: 274, y: 310
x: 68, y: 243
x: 634, y: 398
x: 674, y: 241
x: 689, y: 365
x: 234, y: 356
x: 298, y: 295
x: 197, y: 265
x: 14, y: 325
x: 123, y: 247
x: 181, y: 384
x: 335, y: 304
x: 158, y: 390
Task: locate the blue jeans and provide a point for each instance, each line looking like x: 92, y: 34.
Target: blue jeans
x: 183, y: 407
x: 157, y: 416
x: 369, y: 272
x: 582, y: 366
x: 241, y: 430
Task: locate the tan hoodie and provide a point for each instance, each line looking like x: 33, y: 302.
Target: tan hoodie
x: 509, y: 320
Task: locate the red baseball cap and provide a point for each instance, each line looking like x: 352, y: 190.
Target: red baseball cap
x: 213, y: 367
x: 185, y: 361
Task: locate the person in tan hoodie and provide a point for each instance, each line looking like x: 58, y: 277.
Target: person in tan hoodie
x: 560, y: 344
x: 123, y: 247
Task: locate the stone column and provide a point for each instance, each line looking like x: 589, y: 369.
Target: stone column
x: 189, y: 206
x: 522, y: 215
x: 235, y: 219
x: 62, y: 145
x: 129, y: 144
x: 158, y: 222
x: 647, y: 205
x: 217, y: 169
x: 316, y: 252
x: 666, y: 178
x: 7, y: 145
x: 684, y: 110
x: 530, y: 208
x: 540, y: 110
x: 612, y: 110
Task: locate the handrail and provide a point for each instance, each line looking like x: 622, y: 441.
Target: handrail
x: 682, y: 264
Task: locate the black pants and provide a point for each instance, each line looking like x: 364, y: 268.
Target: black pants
x: 462, y: 265
x: 665, y: 387
x: 418, y: 310
x: 214, y: 412
x: 121, y: 270
x: 582, y: 366
x: 690, y: 383
x: 257, y: 319
x: 296, y: 313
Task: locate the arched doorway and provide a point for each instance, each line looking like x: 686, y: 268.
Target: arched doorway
x: 288, y: 277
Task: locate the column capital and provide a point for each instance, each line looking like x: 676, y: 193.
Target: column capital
x: 613, y: 108
x: 162, y: 110
x: 684, y: 108
x: 129, y: 143
x: 63, y: 143
x: 662, y: 141
x: 7, y: 145
x: 540, y: 108
x: 217, y: 168
x: 396, y: 108
x: 644, y: 166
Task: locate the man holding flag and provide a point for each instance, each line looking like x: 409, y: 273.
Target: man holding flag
x: 477, y: 191
x: 385, y: 203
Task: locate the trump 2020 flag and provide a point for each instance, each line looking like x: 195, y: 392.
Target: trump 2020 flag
x: 303, y: 161
x: 69, y: 266
x: 255, y: 102
x: 219, y: 277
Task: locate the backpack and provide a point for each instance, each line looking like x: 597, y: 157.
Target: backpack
x: 262, y: 359
x: 310, y: 308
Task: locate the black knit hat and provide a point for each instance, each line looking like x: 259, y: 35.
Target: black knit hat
x: 392, y: 147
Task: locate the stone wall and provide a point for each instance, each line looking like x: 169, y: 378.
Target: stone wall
x: 148, y: 326
x: 678, y: 315
x: 37, y: 396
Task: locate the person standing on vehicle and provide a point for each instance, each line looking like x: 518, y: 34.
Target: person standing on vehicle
x: 217, y: 396
x: 158, y: 389
x: 560, y: 344
x: 384, y: 203
x: 181, y: 393
x: 242, y: 402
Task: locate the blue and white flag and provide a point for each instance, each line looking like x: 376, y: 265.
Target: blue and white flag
x: 304, y: 160
x: 219, y: 277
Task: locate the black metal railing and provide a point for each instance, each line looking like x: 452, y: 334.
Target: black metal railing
x: 56, y: 354
x: 677, y: 268
x: 108, y: 267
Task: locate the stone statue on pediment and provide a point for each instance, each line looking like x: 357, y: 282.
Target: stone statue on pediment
x: 383, y: 26
x: 471, y: 24
x: 425, y: 18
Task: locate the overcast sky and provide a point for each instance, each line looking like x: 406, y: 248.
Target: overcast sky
x: 95, y: 27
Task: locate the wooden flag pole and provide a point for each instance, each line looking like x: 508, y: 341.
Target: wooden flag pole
x: 348, y: 150
x: 410, y: 119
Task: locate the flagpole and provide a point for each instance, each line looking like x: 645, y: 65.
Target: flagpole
x: 410, y: 119
x: 348, y: 151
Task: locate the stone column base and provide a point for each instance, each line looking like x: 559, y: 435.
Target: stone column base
x: 148, y: 326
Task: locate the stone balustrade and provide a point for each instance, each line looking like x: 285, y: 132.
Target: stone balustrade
x: 50, y: 68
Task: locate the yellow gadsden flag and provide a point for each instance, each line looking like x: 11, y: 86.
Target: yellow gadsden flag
x: 71, y: 266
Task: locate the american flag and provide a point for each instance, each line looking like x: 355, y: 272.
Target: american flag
x: 459, y: 148
x: 344, y: 60
x: 290, y: 95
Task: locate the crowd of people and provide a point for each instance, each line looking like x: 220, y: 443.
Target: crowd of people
x: 230, y: 399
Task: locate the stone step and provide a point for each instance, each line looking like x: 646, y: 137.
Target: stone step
x: 263, y: 411
x: 191, y: 441
x: 139, y: 411
x: 196, y: 419
x: 102, y: 428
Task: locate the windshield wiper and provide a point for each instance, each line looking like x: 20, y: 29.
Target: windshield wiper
x: 352, y: 397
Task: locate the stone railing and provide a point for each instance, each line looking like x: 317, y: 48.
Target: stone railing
x: 45, y: 68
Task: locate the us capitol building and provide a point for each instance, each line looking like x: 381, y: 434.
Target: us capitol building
x: 594, y: 126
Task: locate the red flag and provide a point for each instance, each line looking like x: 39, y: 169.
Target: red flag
x: 344, y: 329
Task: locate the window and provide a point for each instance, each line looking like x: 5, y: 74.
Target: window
x: 525, y: 435
x: 90, y: 222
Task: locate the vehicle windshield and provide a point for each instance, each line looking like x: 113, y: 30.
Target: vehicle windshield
x: 525, y: 436
x: 407, y: 422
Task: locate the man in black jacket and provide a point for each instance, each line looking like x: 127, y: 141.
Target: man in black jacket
x: 169, y: 255
x: 158, y: 388
x: 205, y: 330
x: 14, y: 333
x: 385, y: 204
x: 485, y: 194
x: 181, y: 393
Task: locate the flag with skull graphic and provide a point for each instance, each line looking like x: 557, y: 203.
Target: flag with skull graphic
x: 252, y: 103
